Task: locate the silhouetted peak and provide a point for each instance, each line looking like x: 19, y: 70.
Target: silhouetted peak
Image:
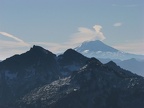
x: 71, y: 52
x: 93, y: 63
x: 111, y: 64
x: 71, y: 56
x: 94, y: 60
x: 39, y: 49
x: 36, y: 47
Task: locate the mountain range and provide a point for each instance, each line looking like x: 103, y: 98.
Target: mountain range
x: 133, y: 65
x: 40, y: 79
x: 105, y: 53
x: 100, y: 50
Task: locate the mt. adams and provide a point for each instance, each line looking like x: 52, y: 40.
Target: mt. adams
x: 100, y: 50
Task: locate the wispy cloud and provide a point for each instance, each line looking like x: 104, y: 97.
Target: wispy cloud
x: 83, y: 34
x: 19, y: 41
x: 86, y: 34
x: 135, y: 47
x: 9, y: 48
x: 54, y: 47
x: 12, y: 44
x: 11, y: 36
x: 117, y: 24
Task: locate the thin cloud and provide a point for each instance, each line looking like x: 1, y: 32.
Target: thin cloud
x: 83, y: 34
x: 135, y: 48
x: 55, y: 47
x: 86, y: 34
x: 19, y: 41
x: 12, y: 44
x: 9, y: 48
x: 8, y: 52
x: 11, y: 36
x: 118, y: 24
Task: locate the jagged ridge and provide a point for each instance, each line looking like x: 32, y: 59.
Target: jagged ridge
x: 49, y: 81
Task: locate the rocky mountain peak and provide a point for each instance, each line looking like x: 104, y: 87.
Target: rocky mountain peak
x: 40, y: 50
x: 70, y: 56
x: 37, y: 79
x: 112, y: 64
x: 71, y: 53
x: 93, y: 63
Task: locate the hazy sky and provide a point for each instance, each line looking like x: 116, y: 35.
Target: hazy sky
x: 60, y: 24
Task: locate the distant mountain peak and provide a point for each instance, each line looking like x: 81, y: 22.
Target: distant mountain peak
x: 95, y: 41
x: 96, y: 45
x: 99, y: 49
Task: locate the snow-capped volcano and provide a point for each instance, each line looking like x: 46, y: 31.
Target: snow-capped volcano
x: 100, y: 50
x: 95, y: 46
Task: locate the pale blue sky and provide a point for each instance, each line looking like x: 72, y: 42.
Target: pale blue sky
x: 59, y: 24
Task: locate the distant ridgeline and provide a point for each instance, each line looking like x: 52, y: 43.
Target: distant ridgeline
x: 40, y: 79
x: 105, y: 53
